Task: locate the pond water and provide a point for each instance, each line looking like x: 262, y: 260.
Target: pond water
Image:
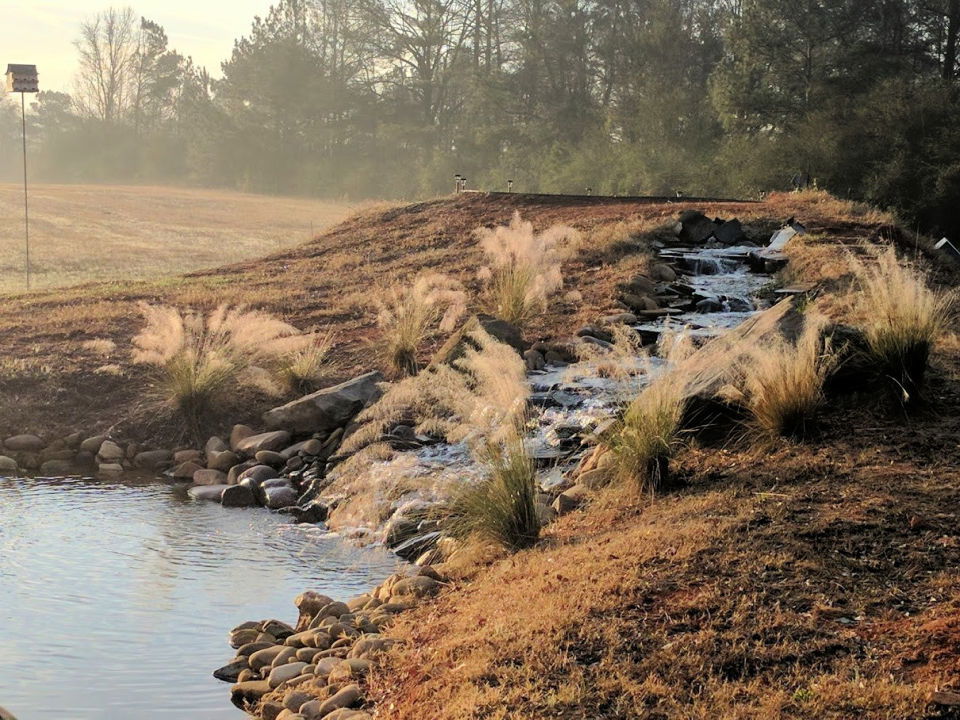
x: 116, y: 597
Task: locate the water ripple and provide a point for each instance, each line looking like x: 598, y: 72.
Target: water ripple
x: 115, y: 598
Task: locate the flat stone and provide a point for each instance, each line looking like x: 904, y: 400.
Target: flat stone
x: 249, y: 692
x: 326, y: 409
x: 238, y: 496
x: 186, y: 471
x: 152, y: 459
x: 280, y: 675
x: 56, y: 467
x: 264, y: 658
x: 258, y: 473
x: 253, y: 444
x: 23, y: 443
x: 222, y: 460
x: 231, y: 671
x: 209, y: 477
x: 189, y: 455
x: 207, y: 492
x: 270, y: 457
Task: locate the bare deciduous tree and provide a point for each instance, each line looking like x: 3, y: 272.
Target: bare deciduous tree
x: 107, y: 48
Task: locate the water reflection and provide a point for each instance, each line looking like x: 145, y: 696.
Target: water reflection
x: 116, y: 598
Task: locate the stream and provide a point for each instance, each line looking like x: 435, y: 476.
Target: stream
x: 116, y: 597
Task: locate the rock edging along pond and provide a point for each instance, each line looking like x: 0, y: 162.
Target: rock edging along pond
x: 316, y: 669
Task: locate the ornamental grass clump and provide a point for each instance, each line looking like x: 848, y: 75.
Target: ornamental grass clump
x: 302, y: 368
x: 481, y: 401
x: 407, y: 315
x: 782, y: 381
x: 902, y: 318
x: 524, y: 267
x: 648, y: 434
x: 199, y: 359
x: 501, y: 508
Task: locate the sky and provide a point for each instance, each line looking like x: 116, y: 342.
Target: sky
x: 41, y: 32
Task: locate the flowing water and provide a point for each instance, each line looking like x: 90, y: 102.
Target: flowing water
x: 116, y: 598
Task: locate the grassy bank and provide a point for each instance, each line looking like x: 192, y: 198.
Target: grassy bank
x: 92, y: 233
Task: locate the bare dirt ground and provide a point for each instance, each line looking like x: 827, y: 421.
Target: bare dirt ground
x: 83, y: 233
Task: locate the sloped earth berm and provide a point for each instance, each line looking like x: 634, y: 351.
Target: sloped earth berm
x: 316, y: 668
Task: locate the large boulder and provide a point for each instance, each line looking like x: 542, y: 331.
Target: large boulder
x: 456, y: 344
x: 276, y: 440
x: 23, y: 443
x: 207, y: 492
x: 8, y: 464
x: 325, y: 409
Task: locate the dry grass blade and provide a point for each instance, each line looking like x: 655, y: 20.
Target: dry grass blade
x: 901, y: 316
x: 408, y: 315
x: 302, y: 369
x: 783, y: 381
x: 525, y: 268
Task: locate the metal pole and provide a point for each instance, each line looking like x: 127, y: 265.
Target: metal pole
x: 26, y: 205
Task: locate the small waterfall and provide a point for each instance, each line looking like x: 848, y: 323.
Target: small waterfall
x: 710, y: 265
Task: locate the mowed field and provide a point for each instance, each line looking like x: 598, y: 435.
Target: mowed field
x: 82, y: 233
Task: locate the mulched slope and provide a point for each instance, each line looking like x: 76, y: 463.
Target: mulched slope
x: 802, y: 581
x: 50, y: 383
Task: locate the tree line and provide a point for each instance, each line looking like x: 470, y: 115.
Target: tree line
x: 391, y: 98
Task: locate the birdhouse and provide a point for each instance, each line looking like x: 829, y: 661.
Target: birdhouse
x: 22, y: 79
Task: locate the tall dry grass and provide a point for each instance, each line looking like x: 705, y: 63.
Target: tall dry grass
x: 902, y: 317
x: 407, y: 315
x: 198, y: 359
x: 501, y: 508
x: 782, y: 381
x: 304, y: 365
x: 524, y: 267
x: 481, y: 400
x: 648, y: 434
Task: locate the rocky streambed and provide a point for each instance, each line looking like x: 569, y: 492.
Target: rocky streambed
x: 712, y: 279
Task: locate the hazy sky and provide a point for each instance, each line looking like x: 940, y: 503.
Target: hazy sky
x: 41, y: 32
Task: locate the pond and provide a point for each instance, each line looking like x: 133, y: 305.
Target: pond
x: 116, y: 597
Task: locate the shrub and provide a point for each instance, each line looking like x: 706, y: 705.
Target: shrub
x: 198, y: 359
x: 783, y: 381
x: 500, y: 509
x: 647, y: 435
x: 407, y: 316
x: 901, y: 317
x: 525, y: 268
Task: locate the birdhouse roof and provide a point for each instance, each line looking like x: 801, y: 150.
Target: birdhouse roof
x: 21, y: 69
